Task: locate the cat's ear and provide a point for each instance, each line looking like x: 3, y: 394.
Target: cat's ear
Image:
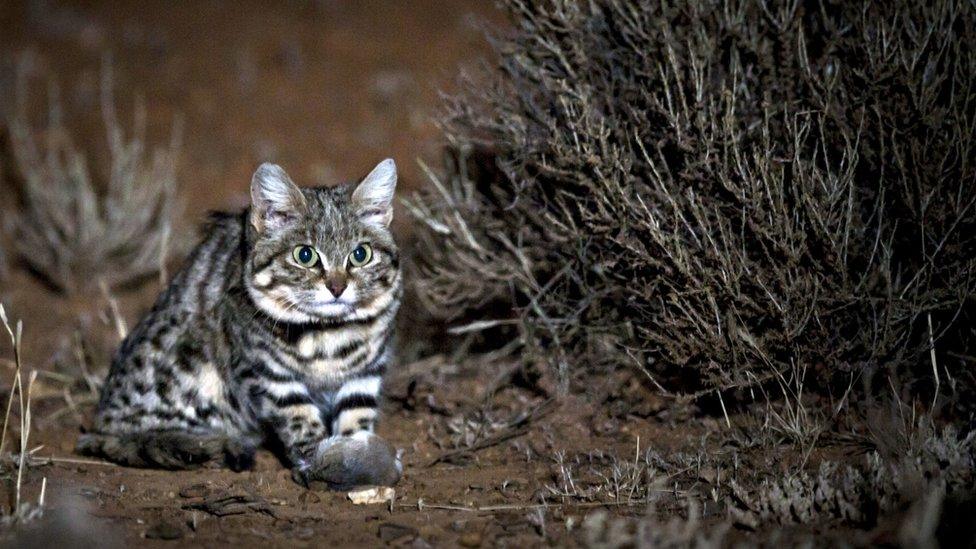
x: 373, y: 198
x: 275, y: 199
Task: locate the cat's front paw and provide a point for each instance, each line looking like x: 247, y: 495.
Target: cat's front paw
x: 344, y: 462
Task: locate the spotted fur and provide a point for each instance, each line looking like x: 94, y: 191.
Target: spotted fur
x: 246, y: 345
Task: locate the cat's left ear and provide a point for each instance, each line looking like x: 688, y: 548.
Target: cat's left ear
x: 373, y: 198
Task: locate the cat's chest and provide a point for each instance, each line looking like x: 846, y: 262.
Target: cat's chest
x: 330, y: 355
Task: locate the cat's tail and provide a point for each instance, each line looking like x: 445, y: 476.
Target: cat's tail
x: 169, y: 449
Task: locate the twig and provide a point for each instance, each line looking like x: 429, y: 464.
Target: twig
x: 163, y: 252
x: 724, y: 412
x: 47, y: 460
x: 83, y: 363
x: 15, y: 341
x: 72, y: 406
x: 25, y: 418
x: 516, y: 429
x: 480, y: 325
x: 55, y: 376
x: 48, y: 419
x: 935, y: 366
x: 113, y: 304
x: 421, y: 505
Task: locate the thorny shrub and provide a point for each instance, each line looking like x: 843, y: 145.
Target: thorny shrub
x: 714, y: 192
x: 75, y: 229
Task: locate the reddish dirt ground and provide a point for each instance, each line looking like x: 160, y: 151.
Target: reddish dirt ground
x: 435, y: 504
x: 327, y: 89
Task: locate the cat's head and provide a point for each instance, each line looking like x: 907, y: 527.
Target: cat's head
x: 323, y: 254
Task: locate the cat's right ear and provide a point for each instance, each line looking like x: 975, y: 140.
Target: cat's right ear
x: 275, y: 200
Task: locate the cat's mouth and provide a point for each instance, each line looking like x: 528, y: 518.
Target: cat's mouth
x: 329, y: 303
x: 307, y: 307
x: 329, y: 307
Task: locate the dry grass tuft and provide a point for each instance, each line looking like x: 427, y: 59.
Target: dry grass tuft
x: 74, y: 228
x: 20, y: 511
x: 608, y: 478
x: 714, y: 193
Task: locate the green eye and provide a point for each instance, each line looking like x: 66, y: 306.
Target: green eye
x: 306, y: 256
x: 361, y: 255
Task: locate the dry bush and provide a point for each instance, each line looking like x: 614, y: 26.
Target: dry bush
x: 715, y: 192
x: 943, y: 465
x: 75, y: 229
x: 640, y: 482
x: 605, y: 532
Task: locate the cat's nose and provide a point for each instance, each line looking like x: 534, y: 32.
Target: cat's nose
x: 336, y: 285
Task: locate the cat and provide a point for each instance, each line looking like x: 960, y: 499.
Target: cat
x: 277, y: 330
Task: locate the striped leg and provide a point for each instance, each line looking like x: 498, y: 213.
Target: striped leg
x: 353, y: 455
x: 354, y: 406
x: 289, y: 411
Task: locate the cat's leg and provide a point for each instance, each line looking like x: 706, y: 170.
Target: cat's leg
x: 338, y: 462
x: 316, y: 455
x: 354, y: 406
x: 353, y: 455
x: 287, y: 409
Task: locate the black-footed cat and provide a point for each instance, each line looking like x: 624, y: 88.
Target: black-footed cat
x: 278, y: 328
